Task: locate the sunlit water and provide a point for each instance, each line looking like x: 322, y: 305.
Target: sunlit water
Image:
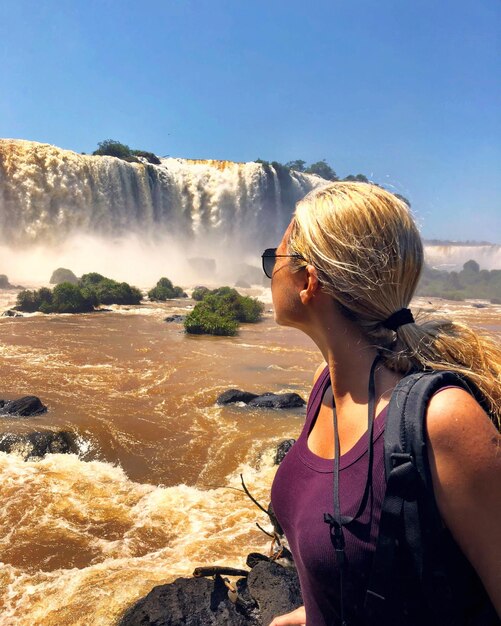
x: 155, y: 490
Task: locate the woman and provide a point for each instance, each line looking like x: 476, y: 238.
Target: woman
x: 344, y: 273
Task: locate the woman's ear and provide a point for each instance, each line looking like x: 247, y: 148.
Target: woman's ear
x: 311, y: 285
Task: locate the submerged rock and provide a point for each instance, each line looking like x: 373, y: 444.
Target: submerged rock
x: 178, y: 319
x: 38, y: 444
x: 235, y: 395
x: 278, y: 401
x: 11, y: 313
x: 23, y: 407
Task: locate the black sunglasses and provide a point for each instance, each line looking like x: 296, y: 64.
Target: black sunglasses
x: 270, y: 256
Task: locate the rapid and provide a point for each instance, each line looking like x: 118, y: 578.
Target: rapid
x: 154, y: 490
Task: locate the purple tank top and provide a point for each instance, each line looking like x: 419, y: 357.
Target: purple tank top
x: 303, y: 491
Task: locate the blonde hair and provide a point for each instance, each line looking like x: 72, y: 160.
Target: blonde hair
x: 368, y: 254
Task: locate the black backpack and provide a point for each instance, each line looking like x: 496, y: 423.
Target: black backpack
x: 419, y: 576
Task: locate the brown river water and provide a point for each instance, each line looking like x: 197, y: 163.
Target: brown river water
x: 155, y: 489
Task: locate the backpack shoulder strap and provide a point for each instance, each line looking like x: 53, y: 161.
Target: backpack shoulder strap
x: 405, y: 418
x: 408, y: 482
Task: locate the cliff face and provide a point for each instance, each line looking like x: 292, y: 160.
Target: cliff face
x: 47, y: 194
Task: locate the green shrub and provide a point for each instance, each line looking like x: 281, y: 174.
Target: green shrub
x: 69, y: 298
x: 204, y: 321
x: 65, y: 298
x: 108, y: 291
x: 165, y: 290
x: 220, y: 311
x: 110, y: 147
x: 199, y: 293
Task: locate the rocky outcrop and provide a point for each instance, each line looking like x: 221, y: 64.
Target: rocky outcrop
x: 265, y: 400
x: 275, y: 589
x: 36, y: 445
x: 63, y: 275
x: 4, y: 283
x: 269, y: 590
x: 23, y: 407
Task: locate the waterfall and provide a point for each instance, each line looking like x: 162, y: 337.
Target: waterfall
x: 48, y: 194
x: 452, y: 256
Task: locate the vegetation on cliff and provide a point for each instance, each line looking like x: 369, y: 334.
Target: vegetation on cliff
x: 111, y: 147
x: 470, y: 282
x: 165, y: 290
x: 91, y: 291
x: 220, y: 311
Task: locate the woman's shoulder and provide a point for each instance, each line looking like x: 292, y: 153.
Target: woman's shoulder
x: 455, y: 419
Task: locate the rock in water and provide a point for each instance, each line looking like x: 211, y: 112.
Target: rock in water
x: 63, y: 275
x: 187, y: 602
x: 282, y: 449
x: 278, y: 401
x: 178, y: 319
x: 23, y: 407
x: 11, y: 313
x: 235, y: 395
x: 275, y: 589
x: 38, y: 444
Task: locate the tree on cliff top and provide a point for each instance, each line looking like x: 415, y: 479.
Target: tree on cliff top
x: 110, y: 147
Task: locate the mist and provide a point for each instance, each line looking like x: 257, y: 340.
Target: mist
x: 132, y: 259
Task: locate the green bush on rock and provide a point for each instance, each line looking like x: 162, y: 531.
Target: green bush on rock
x: 91, y: 291
x: 108, y: 291
x: 220, y: 311
x: 199, y: 293
x: 165, y: 290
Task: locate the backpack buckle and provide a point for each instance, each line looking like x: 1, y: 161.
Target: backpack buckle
x: 399, y: 458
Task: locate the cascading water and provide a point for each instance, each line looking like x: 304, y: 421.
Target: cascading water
x: 48, y: 194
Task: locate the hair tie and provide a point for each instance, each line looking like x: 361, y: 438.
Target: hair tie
x: 399, y: 318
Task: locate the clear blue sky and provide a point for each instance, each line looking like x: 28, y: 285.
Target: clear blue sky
x: 405, y: 91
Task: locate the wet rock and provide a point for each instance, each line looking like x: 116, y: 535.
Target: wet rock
x: 278, y: 401
x: 178, y: 319
x: 275, y: 589
x: 4, y: 283
x: 23, y: 407
x: 11, y: 313
x: 254, y: 558
x: 38, y: 444
x: 282, y: 449
x: 235, y: 395
x: 190, y: 602
x: 265, y: 401
x: 479, y: 305
x: 269, y: 590
x: 63, y: 275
